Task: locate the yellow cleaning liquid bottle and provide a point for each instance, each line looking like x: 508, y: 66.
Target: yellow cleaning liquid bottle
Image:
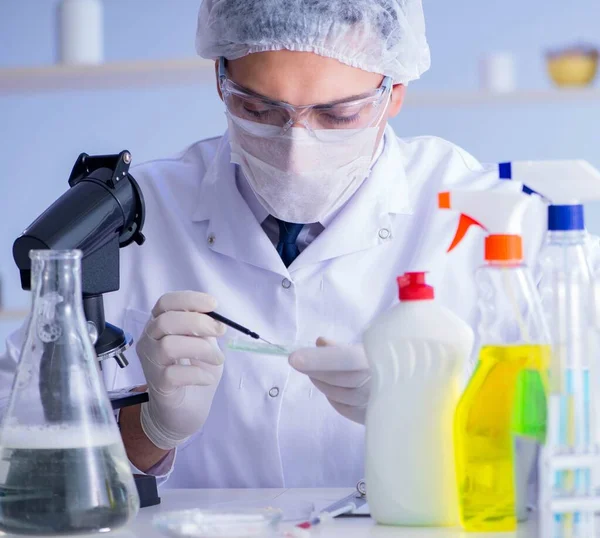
x: 501, y: 416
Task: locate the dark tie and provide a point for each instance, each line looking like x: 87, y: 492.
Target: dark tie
x: 288, y: 235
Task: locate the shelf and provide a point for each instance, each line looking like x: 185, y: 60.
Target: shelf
x: 193, y: 71
x: 117, y: 75
x: 519, y: 97
x: 13, y: 315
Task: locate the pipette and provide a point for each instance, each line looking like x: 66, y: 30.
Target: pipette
x: 240, y: 328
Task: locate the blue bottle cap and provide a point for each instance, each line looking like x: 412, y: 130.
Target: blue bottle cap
x: 563, y: 218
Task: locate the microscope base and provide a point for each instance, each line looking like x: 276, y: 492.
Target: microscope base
x: 147, y: 490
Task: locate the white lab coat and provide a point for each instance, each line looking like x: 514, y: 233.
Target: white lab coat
x: 269, y: 426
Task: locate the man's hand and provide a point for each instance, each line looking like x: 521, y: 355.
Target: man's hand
x: 182, y: 364
x: 340, y: 372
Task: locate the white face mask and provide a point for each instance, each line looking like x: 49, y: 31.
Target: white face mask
x: 295, y: 176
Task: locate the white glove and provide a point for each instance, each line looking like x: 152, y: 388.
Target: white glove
x: 182, y: 364
x: 341, y: 373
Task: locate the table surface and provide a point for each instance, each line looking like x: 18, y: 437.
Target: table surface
x: 181, y: 499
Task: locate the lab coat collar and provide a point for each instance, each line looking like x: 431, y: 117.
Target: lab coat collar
x: 391, y: 177
x: 236, y: 232
x: 258, y: 210
x: 233, y: 229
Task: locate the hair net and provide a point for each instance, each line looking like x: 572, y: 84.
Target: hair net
x: 380, y: 36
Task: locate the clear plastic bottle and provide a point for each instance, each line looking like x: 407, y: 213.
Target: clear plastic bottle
x: 63, y: 467
x: 566, y: 288
x: 569, y: 467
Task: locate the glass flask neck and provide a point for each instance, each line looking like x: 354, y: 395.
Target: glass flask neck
x: 56, y: 290
x: 56, y: 272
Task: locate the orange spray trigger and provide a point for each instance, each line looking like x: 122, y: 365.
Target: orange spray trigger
x: 464, y: 224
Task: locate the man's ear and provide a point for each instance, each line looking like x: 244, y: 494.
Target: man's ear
x: 396, y: 100
x: 217, y: 79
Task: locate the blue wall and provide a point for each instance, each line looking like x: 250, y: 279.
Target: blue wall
x: 42, y: 134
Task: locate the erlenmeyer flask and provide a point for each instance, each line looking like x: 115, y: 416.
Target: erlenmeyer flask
x: 63, y: 467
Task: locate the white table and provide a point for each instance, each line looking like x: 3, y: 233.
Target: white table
x: 340, y: 528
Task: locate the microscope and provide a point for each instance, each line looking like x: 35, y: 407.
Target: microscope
x: 102, y: 212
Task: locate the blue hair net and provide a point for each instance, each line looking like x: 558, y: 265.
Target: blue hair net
x: 380, y: 36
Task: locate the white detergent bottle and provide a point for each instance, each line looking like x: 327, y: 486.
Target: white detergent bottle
x: 417, y: 352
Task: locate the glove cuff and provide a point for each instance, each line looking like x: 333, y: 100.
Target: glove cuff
x: 157, y: 435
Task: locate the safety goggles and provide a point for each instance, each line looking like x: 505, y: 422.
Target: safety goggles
x: 348, y: 116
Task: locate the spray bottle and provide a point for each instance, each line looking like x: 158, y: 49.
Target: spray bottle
x: 569, y: 498
x: 506, y: 396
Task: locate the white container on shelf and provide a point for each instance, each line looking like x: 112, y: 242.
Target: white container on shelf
x: 497, y: 73
x: 80, y: 32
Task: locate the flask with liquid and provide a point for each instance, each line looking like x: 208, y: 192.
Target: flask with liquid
x: 63, y: 467
x: 500, y: 420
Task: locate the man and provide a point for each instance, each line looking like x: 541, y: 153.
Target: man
x: 297, y: 221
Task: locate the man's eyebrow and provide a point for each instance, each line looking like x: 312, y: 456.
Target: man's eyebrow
x: 358, y: 97
x: 364, y: 95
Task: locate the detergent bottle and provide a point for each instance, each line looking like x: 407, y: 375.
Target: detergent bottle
x: 505, y: 400
x: 569, y: 498
x: 417, y: 352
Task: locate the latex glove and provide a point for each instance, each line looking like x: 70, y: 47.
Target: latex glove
x: 182, y: 364
x: 340, y: 372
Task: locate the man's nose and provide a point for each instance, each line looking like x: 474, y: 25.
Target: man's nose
x: 299, y: 121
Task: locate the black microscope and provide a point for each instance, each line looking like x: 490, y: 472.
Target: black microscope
x: 102, y: 212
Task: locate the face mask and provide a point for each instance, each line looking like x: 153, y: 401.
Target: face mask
x: 295, y: 176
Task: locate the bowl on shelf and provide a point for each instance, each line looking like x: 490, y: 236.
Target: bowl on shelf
x: 575, y: 66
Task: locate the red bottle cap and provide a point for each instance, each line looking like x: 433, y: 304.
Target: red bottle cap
x: 412, y: 287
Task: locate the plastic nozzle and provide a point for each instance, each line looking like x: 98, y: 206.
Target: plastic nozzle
x: 560, y: 182
x: 499, y: 213
x: 566, y: 185
x: 465, y: 222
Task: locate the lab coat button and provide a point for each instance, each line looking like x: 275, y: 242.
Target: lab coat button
x: 286, y: 283
x: 384, y: 233
x: 274, y: 392
x: 211, y: 239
